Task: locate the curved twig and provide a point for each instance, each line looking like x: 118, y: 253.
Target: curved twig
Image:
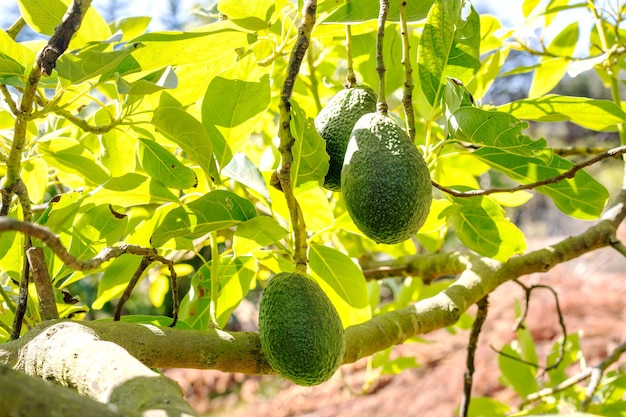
x: 570, y: 173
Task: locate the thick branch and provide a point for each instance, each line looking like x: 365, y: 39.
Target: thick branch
x: 241, y: 351
x: 73, y: 355
x: 23, y: 395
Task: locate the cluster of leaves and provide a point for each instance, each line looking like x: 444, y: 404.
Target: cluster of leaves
x: 168, y: 140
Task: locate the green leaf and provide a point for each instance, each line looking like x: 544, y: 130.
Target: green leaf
x: 156, y: 81
x: 364, y: 10
x: 15, y: 59
x: 230, y: 102
x: 115, y: 279
x: 43, y: 16
x: 132, y: 189
x: 71, y: 156
x: 130, y: 26
x: 92, y: 231
x: 481, y: 225
x: 257, y: 233
x: 161, y: 165
x: 581, y: 197
x: 449, y: 47
x: 160, y: 49
x: 252, y: 15
x: 12, y: 254
x: 116, y: 156
x: 601, y: 115
x: 496, y: 129
x: 487, y: 407
x: 35, y: 177
x: 553, y: 68
x: 310, y: 160
x: 343, y: 282
x: 187, y: 132
x: 243, y: 170
x: 235, y: 280
x: 214, y: 211
x: 89, y: 63
x: 515, y: 374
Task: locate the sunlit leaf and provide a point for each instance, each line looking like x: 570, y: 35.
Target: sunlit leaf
x: 160, y: 164
x: 118, y: 157
x: 43, y: 16
x: 343, y: 281
x: 243, y: 170
x: 309, y: 150
x: 187, y: 132
x: 257, y: 233
x: 35, y: 177
x: 214, y: 211
x: 449, y: 47
x: 89, y: 63
x: 230, y: 102
x: 72, y: 156
x: 496, y: 129
x: 481, y: 225
x: 132, y: 189
x: 235, y: 278
x: 151, y: 83
x: 586, y: 112
x: 364, y: 10
x: 253, y: 15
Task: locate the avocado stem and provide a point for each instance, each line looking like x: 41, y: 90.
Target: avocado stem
x: 381, y: 106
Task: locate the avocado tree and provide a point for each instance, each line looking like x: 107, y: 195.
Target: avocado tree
x: 192, y: 158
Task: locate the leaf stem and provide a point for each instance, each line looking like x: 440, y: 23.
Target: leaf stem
x: 215, y: 283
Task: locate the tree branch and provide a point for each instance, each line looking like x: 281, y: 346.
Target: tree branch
x: 23, y: 395
x: 63, y: 352
x: 60, y: 40
x: 611, y: 153
x: 407, y: 94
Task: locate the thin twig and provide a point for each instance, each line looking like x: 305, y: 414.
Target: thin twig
x: 468, y: 377
x: 519, y: 322
x: 595, y: 371
x: 570, y: 173
x: 54, y: 243
x: 381, y: 105
x: 145, y: 263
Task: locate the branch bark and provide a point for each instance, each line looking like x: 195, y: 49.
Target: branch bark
x: 241, y: 351
x: 75, y: 356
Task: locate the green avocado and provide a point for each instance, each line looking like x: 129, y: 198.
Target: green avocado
x: 301, y: 333
x: 335, y: 122
x: 385, y: 181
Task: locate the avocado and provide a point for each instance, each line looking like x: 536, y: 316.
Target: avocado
x: 385, y: 181
x: 335, y: 122
x: 301, y: 333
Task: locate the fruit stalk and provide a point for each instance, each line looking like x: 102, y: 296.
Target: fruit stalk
x: 407, y: 94
x: 286, y: 138
x: 381, y: 106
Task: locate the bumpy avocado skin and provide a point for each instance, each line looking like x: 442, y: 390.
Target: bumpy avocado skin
x: 301, y: 333
x: 385, y: 181
x: 335, y: 122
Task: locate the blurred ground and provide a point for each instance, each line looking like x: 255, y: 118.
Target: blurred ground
x: 591, y: 289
